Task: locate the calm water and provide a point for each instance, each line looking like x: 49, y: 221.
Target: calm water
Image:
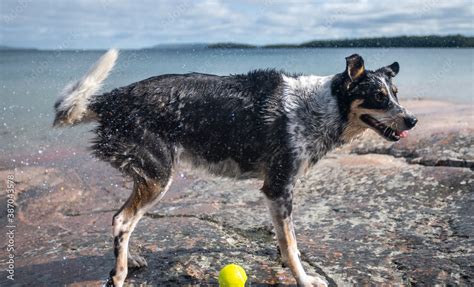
x: 30, y: 81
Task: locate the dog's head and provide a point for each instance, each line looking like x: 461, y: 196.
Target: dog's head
x: 371, y: 101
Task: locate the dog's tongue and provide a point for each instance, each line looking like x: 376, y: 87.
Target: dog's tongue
x: 403, y: 134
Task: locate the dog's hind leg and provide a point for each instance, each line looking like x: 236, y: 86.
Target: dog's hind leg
x: 145, y: 194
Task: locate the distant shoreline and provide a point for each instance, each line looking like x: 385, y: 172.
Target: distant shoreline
x: 451, y: 41
x: 431, y: 41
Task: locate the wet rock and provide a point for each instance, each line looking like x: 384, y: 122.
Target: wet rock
x: 372, y: 213
x: 395, y: 222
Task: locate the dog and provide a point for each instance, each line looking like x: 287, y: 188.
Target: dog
x: 265, y: 124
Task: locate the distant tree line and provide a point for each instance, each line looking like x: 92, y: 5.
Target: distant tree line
x: 230, y: 45
x: 450, y: 41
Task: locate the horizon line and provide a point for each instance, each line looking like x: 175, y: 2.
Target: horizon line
x: 295, y: 45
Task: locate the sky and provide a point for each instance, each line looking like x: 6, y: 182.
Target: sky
x: 128, y: 24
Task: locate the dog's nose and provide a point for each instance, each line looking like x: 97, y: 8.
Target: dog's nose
x: 410, y: 121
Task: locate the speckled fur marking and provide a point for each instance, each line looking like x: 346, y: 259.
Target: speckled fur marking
x: 314, y: 123
x: 265, y: 124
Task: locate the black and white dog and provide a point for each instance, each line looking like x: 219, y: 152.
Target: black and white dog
x: 264, y: 124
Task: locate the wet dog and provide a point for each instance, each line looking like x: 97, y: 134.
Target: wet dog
x: 265, y: 124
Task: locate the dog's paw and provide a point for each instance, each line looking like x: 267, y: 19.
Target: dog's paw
x: 136, y: 261
x: 113, y: 280
x: 313, y: 281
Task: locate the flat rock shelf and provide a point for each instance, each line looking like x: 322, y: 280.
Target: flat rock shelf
x: 370, y: 213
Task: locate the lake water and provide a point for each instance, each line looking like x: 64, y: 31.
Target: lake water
x: 31, y: 80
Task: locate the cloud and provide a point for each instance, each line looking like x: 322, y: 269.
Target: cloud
x: 135, y: 24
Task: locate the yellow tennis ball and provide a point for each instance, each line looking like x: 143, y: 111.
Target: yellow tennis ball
x: 232, y: 275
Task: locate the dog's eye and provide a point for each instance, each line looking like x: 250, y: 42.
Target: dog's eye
x: 379, y: 97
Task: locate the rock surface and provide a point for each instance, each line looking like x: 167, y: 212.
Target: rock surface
x: 370, y: 213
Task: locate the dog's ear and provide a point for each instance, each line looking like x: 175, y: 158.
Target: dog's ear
x: 355, y: 67
x: 390, y: 70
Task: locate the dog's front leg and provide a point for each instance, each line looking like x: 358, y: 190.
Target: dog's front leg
x: 280, y: 206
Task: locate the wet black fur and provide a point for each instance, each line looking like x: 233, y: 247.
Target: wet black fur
x: 214, y: 117
x: 237, y: 117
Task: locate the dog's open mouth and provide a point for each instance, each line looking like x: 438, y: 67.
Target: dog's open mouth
x: 382, y: 129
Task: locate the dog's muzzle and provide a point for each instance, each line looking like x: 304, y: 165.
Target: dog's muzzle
x: 393, y: 131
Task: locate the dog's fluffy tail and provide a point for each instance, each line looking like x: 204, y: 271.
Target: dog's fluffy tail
x: 72, y: 106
